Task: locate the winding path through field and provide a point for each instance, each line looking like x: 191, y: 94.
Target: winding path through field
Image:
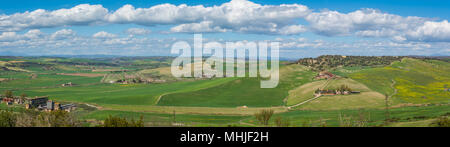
x: 304, y: 102
x: 392, y: 86
x: 311, y: 99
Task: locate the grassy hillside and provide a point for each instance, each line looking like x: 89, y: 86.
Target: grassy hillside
x: 364, y: 100
x: 306, y: 91
x: 409, y: 81
x: 243, y: 91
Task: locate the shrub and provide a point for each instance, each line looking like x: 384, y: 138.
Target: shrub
x: 7, y: 119
x: 115, y: 121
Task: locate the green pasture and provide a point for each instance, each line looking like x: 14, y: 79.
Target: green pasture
x: 243, y: 91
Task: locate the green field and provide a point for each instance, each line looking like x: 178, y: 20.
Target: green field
x: 242, y: 92
x: 168, y: 119
x: 340, y: 102
x: 374, y: 117
x: 123, y: 94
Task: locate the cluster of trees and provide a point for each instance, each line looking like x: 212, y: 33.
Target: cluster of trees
x: 37, y: 119
x: 264, y: 116
x: 343, y: 88
x: 332, y: 61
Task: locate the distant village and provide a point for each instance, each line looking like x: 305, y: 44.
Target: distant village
x: 38, y: 103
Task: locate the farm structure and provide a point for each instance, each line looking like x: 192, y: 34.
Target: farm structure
x: 39, y: 103
x: 325, y: 75
x: 51, y: 106
x: 67, y: 84
x: 29, y: 102
x: 7, y: 101
x: 334, y: 92
x: 35, y: 102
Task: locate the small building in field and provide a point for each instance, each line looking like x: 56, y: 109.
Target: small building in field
x: 67, y: 84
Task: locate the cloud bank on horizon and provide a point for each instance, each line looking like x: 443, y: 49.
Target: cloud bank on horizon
x: 381, y: 32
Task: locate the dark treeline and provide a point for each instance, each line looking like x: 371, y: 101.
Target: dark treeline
x: 325, y: 62
x: 332, y: 61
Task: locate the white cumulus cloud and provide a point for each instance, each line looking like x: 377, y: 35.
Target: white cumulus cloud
x: 63, y: 34
x: 431, y: 31
x: 103, y: 34
x: 83, y: 14
x: 241, y: 16
x: 365, y: 22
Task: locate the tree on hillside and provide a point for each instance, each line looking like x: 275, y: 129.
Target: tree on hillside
x: 264, y: 116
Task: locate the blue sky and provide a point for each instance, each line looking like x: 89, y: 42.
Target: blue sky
x: 423, y: 8
x: 303, y: 27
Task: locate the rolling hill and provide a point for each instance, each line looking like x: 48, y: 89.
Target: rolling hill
x: 409, y: 81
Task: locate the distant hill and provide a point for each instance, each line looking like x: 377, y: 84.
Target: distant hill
x: 410, y: 80
x: 332, y: 61
x: 326, y: 62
